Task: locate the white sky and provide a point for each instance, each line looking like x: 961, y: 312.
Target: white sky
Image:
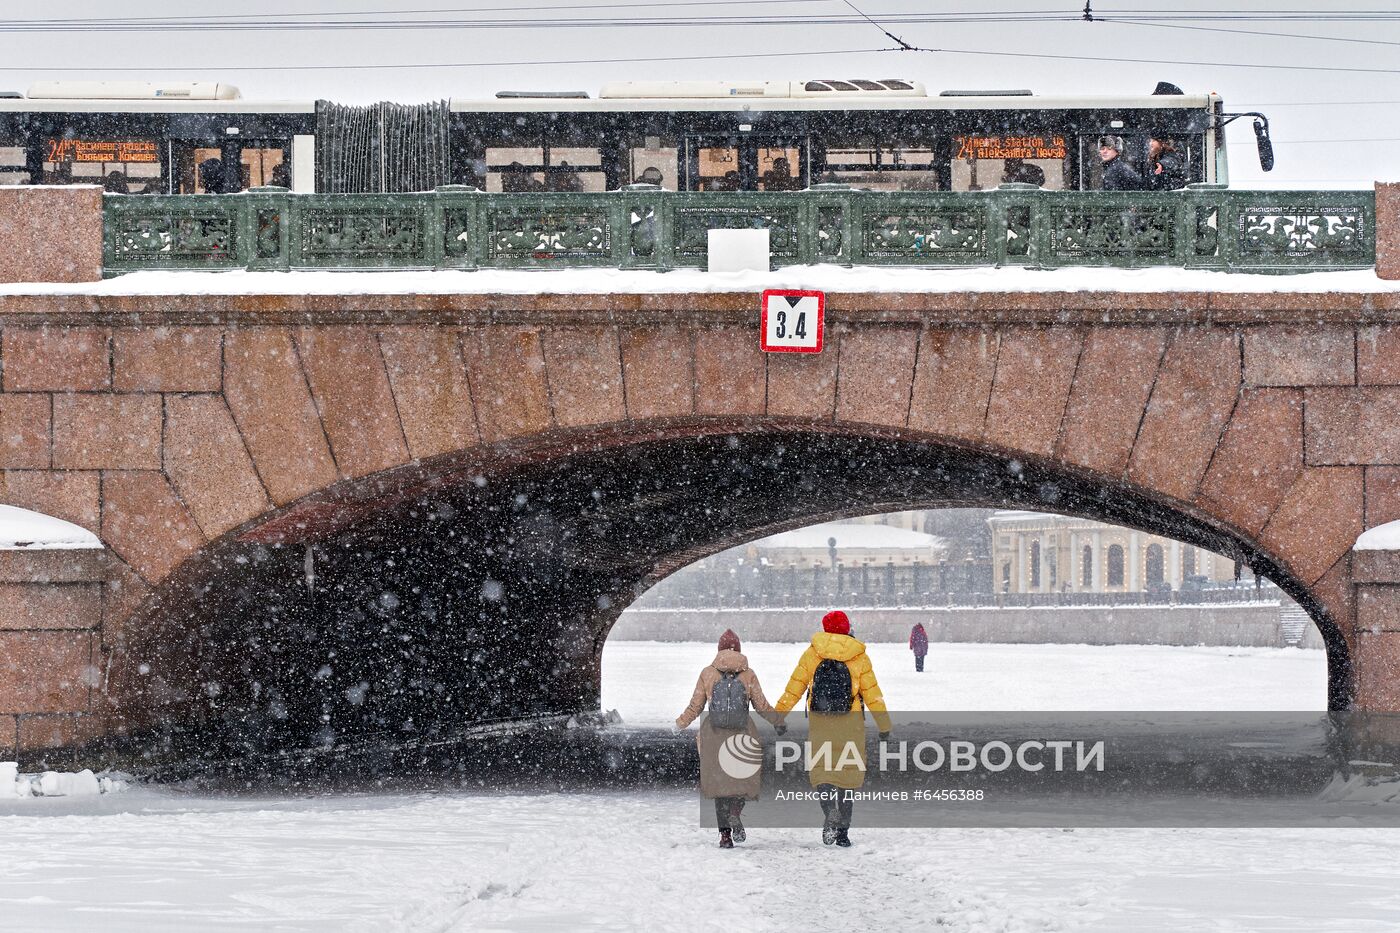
x: 1332, y: 127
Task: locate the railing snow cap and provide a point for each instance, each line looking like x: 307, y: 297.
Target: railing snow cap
x: 1381, y: 538
x: 26, y: 530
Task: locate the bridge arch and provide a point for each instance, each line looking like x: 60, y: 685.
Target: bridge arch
x: 483, y: 582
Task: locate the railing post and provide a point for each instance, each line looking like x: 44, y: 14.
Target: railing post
x: 1387, y: 230
x: 996, y: 226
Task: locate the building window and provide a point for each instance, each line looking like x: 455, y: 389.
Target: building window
x: 1115, y: 565
x: 1188, y: 562
x: 1086, y: 569
x: 1006, y: 577
x: 1154, y: 568
x: 1035, y: 565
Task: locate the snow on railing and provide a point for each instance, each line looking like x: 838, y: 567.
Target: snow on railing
x: 58, y: 783
x: 644, y: 227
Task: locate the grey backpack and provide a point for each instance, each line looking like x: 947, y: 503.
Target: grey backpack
x: 729, y: 702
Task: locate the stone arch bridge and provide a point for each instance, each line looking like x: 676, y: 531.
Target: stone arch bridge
x: 332, y: 516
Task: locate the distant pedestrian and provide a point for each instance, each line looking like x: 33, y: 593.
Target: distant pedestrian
x: 840, y: 684
x: 1118, y: 175
x: 729, y: 687
x: 918, y: 643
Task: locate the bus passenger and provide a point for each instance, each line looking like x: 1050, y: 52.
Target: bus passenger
x: 779, y: 177
x: 1118, y: 175
x: 1018, y: 172
x: 1167, y: 166
x: 115, y: 183
x: 211, y: 176
x: 651, y: 175
x: 515, y: 178
x: 730, y: 182
x: 566, y: 179
x: 280, y: 177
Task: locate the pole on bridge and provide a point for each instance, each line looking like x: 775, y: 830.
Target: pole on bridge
x: 1388, y: 230
x: 50, y: 233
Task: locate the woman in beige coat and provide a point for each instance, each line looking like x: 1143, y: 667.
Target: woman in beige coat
x: 717, y: 783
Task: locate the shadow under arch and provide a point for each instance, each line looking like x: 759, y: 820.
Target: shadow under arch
x: 482, y: 585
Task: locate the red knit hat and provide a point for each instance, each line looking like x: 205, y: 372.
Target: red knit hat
x: 729, y: 641
x: 836, y: 623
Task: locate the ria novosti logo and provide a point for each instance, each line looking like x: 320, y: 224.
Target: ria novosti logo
x: 741, y: 756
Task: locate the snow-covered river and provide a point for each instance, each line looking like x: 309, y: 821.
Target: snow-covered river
x: 153, y: 860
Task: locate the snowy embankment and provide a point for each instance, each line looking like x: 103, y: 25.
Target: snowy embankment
x: 831, y: 278
x: 649, y: 683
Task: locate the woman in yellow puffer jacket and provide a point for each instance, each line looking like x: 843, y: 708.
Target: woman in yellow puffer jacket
x: 837, y: 740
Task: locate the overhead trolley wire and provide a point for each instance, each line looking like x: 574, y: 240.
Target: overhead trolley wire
x: 1247, y: 32
x: 425, y: 65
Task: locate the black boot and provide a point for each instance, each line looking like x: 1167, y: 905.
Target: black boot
x: 829, y: 809
x: 842, y: 839
x: 736, y: 825
x: 727, y: 842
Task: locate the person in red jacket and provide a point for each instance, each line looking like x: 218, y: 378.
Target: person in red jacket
x: 918, y: 643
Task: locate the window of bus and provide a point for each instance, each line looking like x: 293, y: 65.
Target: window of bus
x: 14, y: 169
x: 980, y: 162
x: 780, y: 168
x: 655, y: 163
x: 260, y: 163
x: 265, y: 164
x: 716, y: 168
x: 121, y: 166
x: 1187, y: 150
x: 881, y: 168
x: 544, y: 168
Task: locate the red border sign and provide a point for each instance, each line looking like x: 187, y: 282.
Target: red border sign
x: 792, y: 293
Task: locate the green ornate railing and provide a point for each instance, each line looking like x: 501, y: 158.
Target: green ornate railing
x: 646, y: 228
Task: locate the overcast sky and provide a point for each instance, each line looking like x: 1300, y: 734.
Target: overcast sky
x: 1333, y: 127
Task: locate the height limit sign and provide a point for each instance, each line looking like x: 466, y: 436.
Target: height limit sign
x: 792, y: 321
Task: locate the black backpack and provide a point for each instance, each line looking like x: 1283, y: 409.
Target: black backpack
x: 729, y: 702
x: 831, y: 688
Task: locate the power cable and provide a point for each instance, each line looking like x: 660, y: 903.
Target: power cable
x: 423, y: 65
x: 663, y: 58
x: 1155, y: 61
x: 897, y: 40
x: 1247, y: 32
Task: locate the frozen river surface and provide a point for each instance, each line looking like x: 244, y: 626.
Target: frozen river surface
x: 154, y: 860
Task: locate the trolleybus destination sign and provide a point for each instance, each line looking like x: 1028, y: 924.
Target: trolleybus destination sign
x: 1011, y: 147
x: 792, y: 321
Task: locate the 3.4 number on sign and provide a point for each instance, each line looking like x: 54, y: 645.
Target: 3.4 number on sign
x: 792, y: 321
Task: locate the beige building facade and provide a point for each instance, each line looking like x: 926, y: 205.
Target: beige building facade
x: 1037, y: 552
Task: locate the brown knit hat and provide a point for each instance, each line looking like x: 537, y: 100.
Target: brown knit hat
x: 729, y: 641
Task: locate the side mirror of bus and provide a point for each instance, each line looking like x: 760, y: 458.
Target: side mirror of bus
x: 1266, y: 146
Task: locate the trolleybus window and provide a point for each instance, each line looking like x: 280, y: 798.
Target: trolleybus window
x: 780, y: 168
x: 716, y: 167
x: 260, y: 162
x: 880, y: 168
x: 655, y: 163
x: 746, y: 163
x: 544, y: 168
x: 13, y: 168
